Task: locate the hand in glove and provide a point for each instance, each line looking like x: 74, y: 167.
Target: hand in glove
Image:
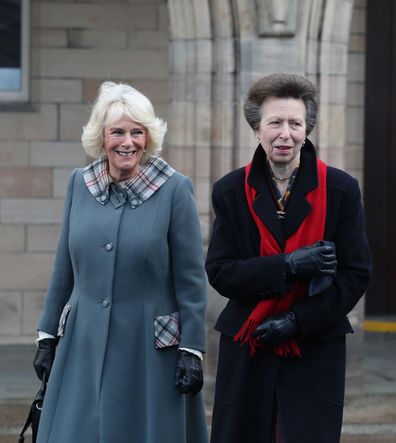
x: 309, y: 261
x: 45, y: 356
x: 189, y: 375
x: 277, y: 329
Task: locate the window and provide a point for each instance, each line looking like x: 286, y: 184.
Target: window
x: 14, y: 50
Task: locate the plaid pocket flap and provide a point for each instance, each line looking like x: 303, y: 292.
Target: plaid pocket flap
x: 167, y: 330
x: 62, y: 320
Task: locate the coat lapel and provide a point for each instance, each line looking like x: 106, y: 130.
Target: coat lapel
x: 264, y: 203
x: 298, y: 206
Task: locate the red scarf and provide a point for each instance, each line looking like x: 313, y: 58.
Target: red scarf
x: 310, y: 231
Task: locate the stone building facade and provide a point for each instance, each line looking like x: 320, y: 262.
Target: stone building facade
x: 196, y: 60
x: 74, y: 46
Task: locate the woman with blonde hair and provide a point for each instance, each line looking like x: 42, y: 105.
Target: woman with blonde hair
x: 125, y: 307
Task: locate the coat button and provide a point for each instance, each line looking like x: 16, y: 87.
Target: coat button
x: 108, y: 246
x: 105, y: 302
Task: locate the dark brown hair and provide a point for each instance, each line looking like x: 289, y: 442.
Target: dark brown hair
x: 282, y: 86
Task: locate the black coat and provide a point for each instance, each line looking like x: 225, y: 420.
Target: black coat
x: 238, y: 272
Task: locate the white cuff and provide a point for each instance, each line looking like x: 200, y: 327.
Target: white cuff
x: 42, y: 335
x: 193, y: 351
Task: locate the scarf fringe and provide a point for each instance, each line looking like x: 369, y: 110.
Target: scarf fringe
x: 244, y: 335
x: 289, y: 348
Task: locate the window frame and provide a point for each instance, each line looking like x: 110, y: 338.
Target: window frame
x: 21, y: 95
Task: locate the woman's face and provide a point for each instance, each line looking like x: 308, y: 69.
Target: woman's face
x: 124, y: 142
x: 282, y: 130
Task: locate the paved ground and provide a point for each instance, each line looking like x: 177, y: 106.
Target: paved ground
x: 370, y: 411
x: 370, y: 415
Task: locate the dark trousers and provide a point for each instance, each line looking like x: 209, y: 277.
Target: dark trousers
x: 303, y: 395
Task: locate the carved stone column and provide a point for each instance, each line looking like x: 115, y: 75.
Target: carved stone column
x: 190, y: 122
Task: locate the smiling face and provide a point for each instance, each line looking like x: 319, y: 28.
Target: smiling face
x: 282, y: 130
x: 124, y: 142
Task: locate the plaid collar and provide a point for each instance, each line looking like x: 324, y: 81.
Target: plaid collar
x: 138, y: 189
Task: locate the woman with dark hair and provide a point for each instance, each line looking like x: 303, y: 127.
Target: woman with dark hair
x: 290, y: 253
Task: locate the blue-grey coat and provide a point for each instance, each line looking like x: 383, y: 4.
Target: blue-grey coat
x: 117, y: 268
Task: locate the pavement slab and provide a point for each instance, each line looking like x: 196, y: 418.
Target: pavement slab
x: 369, y: 413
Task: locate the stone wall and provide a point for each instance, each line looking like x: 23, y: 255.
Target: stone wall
x: 74, y: 47
x: 354, y: 148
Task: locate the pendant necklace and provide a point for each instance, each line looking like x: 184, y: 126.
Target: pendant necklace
x: 281, y: 179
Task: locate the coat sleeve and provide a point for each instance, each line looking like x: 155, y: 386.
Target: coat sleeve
x: 354, y: 267
x: 62, y: 280
x: 187, y: 264
x: 231, y: 270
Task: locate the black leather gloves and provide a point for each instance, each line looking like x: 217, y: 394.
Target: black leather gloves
x: 277, y: 329
x: 45, y: 356
x: 189, y: 375
x: 310, y: 261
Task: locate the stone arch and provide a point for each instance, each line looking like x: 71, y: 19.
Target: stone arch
x: 333, y: 67
x: 191, y: 96
x: 218, y: 48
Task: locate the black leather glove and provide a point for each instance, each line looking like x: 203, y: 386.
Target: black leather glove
x: 45, y: 356
x: 277, y: 329
x: 189, y: 375
x: 310, y: 261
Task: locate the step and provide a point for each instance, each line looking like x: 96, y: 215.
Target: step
x: 371, y: 433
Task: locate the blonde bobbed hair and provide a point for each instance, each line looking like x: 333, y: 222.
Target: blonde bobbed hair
x: 114, y: 102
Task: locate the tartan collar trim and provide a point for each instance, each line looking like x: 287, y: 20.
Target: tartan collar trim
x: 138, y: 189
